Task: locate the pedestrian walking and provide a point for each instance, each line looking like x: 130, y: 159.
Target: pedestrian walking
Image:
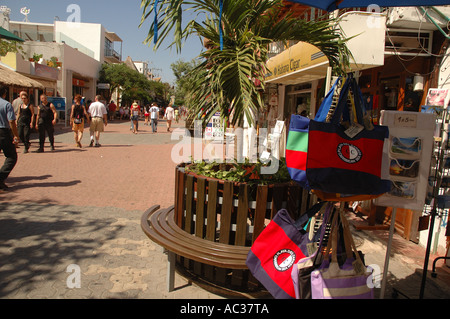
x: 46, y: 119
x: 99, y: 120
x: 135, y: 112
x: 147, y: 115
x: 112, y: 110
x: 169, y: 116
x: 25, y: 120
x: 154, y: 114
x: 77, y: 116
x: 177, y: 115
x: 17, y: 103
x: 8, y: 128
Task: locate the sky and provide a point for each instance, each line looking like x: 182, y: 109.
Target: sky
x: 121, y: 17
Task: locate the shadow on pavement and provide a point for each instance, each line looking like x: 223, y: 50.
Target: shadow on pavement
x: 38, y: 242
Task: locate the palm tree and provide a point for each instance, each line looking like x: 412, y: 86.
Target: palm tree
x: 236, y: 34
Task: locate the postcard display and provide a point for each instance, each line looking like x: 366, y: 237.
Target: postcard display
x: 407, y: 158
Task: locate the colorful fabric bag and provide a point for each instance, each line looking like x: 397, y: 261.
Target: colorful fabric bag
x: 349, y: 281
x: 346, y: 161
x: 297, y: 142
x: 279, y: 246
x: 301, y: 271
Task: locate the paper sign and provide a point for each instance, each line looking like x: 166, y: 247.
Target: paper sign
x: 405, y: 120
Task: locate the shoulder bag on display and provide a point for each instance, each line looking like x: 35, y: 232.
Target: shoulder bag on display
x: 349, y: 281
x: 279, y: 246
x: 346, y: 162
x: 301, y: 271
x: 297, y: 141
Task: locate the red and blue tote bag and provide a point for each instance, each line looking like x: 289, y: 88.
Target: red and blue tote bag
x: 343, y: 164
x: 280, y: 246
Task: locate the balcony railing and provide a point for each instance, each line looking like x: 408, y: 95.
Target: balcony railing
x: 112, y: 53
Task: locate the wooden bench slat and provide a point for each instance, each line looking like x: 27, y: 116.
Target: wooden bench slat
x: 225, y: 216
x: 260, y: 211
x: 210, y: 245
x: 189, y: 249
x: 200, y: 207
x: 211, y: 213
x: 242, y: 214
x: 189, y: 203
x: 179, y: 196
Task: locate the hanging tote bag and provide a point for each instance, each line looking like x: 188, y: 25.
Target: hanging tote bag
x: 346, y: 161
x: 349, y: 281
x: 297, y: 141
x: 297, y: 149
x: 301, y: 271
x: 279, y: 246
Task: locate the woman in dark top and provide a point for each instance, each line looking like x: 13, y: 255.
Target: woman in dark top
x: 77, y: 119
x: 25, y: 121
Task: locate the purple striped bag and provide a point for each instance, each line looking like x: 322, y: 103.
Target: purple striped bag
x: 349, y: 281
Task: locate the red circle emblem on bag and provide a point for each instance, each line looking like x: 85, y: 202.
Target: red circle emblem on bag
x: 283, y: 259
x: 349, y: 153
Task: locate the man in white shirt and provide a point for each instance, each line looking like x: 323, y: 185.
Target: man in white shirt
x: 99, y: 120
x: 154, y: 114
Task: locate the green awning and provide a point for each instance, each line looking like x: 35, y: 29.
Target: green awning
x: 5, y: 34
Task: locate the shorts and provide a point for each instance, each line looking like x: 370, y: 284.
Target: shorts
x: 97, y: 125
x: 78, y: 127
x: 135, y: 118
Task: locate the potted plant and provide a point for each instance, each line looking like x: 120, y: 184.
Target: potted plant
x: 36, y: 57
x: 53, y: 62
x: 230, y: 79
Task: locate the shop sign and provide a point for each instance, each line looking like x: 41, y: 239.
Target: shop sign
x: 103, y: 86
x: 77, y: 82
x: 296, y: 58
x: 58, y: 102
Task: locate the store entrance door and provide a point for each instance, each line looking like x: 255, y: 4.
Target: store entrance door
x: 298, y: 103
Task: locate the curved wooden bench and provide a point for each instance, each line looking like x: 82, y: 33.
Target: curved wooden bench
x: 160, y: 226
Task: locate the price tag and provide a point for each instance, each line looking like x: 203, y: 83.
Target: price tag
x: 354, y: 130
x: 405, y: 120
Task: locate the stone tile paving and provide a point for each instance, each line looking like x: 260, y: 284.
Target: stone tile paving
x: 83, y: 207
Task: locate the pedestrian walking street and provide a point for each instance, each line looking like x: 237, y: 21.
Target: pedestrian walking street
x: 80, y: 208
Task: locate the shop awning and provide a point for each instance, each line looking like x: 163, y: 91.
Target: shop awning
x: 300, y: 63
x: 5, y: 34
x: 12, y: 78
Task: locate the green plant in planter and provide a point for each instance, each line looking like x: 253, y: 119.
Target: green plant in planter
x: 37, y: 57
x: 241, y: 172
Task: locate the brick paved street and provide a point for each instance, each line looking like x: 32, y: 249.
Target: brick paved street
x: 83, y: 207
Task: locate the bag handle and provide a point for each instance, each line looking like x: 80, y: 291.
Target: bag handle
x: 326, y: 103
x: 350, y: 86
x: 358, y: 264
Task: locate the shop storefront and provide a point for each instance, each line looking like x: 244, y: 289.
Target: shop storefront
x: 78, y: 86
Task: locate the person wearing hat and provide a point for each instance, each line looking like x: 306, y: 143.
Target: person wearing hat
x: 154, y: 114
x: 135, y: 112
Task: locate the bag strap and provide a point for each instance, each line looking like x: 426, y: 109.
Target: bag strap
x: 349, y: 90
x: 326, y: 103
x: 333, y: 232
x: 358, y: 264
x: 307, y: 215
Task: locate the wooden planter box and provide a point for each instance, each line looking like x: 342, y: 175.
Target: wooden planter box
x: 233, y: 214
